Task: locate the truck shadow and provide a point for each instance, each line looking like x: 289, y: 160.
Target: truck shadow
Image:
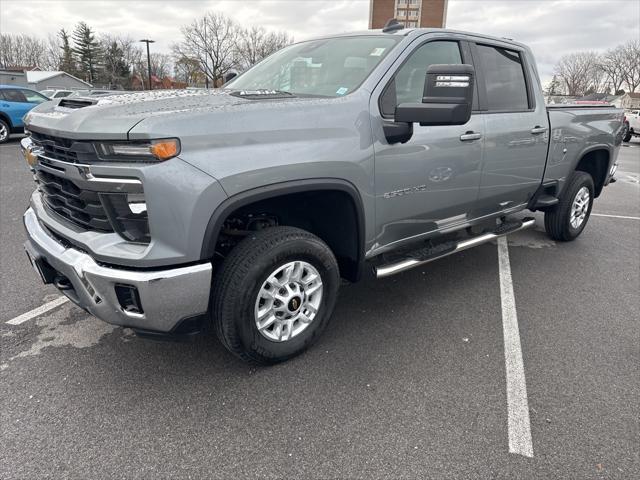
x: 377, y: 325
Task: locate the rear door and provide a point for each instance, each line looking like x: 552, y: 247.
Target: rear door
x: 516, y: 127
x: 430, y: 182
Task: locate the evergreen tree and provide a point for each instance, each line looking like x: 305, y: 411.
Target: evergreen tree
x: 67, y: 63
x: 554, y: 87
x: 87, y: 51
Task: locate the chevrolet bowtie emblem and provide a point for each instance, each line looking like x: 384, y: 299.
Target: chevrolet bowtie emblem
x: 31, y: 155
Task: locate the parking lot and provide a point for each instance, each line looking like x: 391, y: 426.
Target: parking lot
x: 409, y: 380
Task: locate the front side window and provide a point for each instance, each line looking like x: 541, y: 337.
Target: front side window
x: 330, y: 67
x: 11, y: 95
x: 407, y: 86
x: 34, y: 97
x: 504, y: 79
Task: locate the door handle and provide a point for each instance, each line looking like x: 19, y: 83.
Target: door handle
x: 538, y: 129
x: 6, y: 105
x: 470, y: 136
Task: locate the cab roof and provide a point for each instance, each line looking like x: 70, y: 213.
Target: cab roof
x: 415, y: 32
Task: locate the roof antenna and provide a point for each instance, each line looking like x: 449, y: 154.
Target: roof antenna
x: 392, y: 25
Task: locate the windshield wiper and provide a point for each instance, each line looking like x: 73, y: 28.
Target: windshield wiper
x: 262, y: 93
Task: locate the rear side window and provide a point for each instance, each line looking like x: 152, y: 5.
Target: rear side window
x: 34, y: 97
x: 504, y: 79
x: 407, y: 85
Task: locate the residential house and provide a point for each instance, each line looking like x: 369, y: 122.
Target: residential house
x: 37, y: 79
x: 630, y: 100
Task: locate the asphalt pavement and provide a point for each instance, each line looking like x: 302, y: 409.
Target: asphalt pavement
x: 407, y: 382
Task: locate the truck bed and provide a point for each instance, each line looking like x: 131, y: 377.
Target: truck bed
x: 576, y: 130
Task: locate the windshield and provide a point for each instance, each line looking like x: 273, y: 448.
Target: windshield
x: 47, y: 93
x: 329, y: 68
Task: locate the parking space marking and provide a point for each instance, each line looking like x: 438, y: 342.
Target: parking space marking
x: 615, y: 216
x: 517, y: 403
x: 25, y: 317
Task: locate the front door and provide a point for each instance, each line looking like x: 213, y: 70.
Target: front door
x: 430, y: 182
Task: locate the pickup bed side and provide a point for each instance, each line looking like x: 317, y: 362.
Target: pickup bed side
x: 584, y: 138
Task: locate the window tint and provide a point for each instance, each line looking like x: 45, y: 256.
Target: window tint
x: 504, y: 78
x: 11, y: 95
x: 408, y: 84
x: 34, y: 97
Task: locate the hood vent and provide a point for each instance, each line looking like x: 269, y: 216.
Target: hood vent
x: 73, y: 103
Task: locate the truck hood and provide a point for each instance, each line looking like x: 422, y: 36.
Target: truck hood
x: 113, y: 116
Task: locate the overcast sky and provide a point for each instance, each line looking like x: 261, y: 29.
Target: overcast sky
x: 551, y: 27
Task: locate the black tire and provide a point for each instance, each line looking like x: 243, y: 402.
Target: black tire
x: 5, y: 131
x: 627, y: 137
x: 557, y: 221
x: 237, y: 284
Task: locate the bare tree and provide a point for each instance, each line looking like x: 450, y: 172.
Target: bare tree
x: 611, y: 64
x: 578, y: 72
x: 188, y: 70
x: 256, y: 43
x: 211, y: 40
x: 630, y: 61
x: 22, y: 50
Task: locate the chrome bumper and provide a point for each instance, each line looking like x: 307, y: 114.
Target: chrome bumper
x: 166, y: 296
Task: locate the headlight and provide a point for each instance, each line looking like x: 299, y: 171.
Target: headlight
x: 139, y: 151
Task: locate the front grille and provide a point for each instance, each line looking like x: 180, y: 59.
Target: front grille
x: 81, y: 207
x: 64, y: 149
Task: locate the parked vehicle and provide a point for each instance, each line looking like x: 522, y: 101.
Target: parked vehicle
x: 240, y: 210
x: 55, y: 93
x: 632, y: 125
x: 14, y: 103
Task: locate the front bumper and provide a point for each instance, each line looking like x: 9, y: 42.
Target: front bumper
x: 166, y: 296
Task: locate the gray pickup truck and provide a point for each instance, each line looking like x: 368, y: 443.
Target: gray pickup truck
x: 240, y: 210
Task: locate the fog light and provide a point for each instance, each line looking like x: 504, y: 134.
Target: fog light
x: 129, y: 299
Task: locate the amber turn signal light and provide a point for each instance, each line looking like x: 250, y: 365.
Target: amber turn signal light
x: 165, y: 149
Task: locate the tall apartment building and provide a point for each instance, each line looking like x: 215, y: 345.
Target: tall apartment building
x: 413, y: 13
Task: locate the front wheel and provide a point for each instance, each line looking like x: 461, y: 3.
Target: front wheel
x: 274, y: 294
x: 627, y: 136
x: 569, y: 217
x: 4, y: 131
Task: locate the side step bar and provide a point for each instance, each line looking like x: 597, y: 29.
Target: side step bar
x: 444, y: 250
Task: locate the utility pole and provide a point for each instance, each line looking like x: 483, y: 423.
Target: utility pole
x: 147, y: 41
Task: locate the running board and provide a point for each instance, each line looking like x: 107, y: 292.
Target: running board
x: 426, y: 255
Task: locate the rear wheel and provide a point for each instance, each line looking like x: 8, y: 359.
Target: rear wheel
x: 274, y: 294
x: 569, y: 217
x: 4, y: 131
x: 627, y: 136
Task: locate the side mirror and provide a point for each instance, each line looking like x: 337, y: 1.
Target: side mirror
x: 447, y: 97
x: 229, y: 76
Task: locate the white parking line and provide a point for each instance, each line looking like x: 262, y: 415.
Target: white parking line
x: 37, y: 311
x: 614, y: 216
x: 517, y: 403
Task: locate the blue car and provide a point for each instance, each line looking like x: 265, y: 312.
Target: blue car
x: 15, y: 102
